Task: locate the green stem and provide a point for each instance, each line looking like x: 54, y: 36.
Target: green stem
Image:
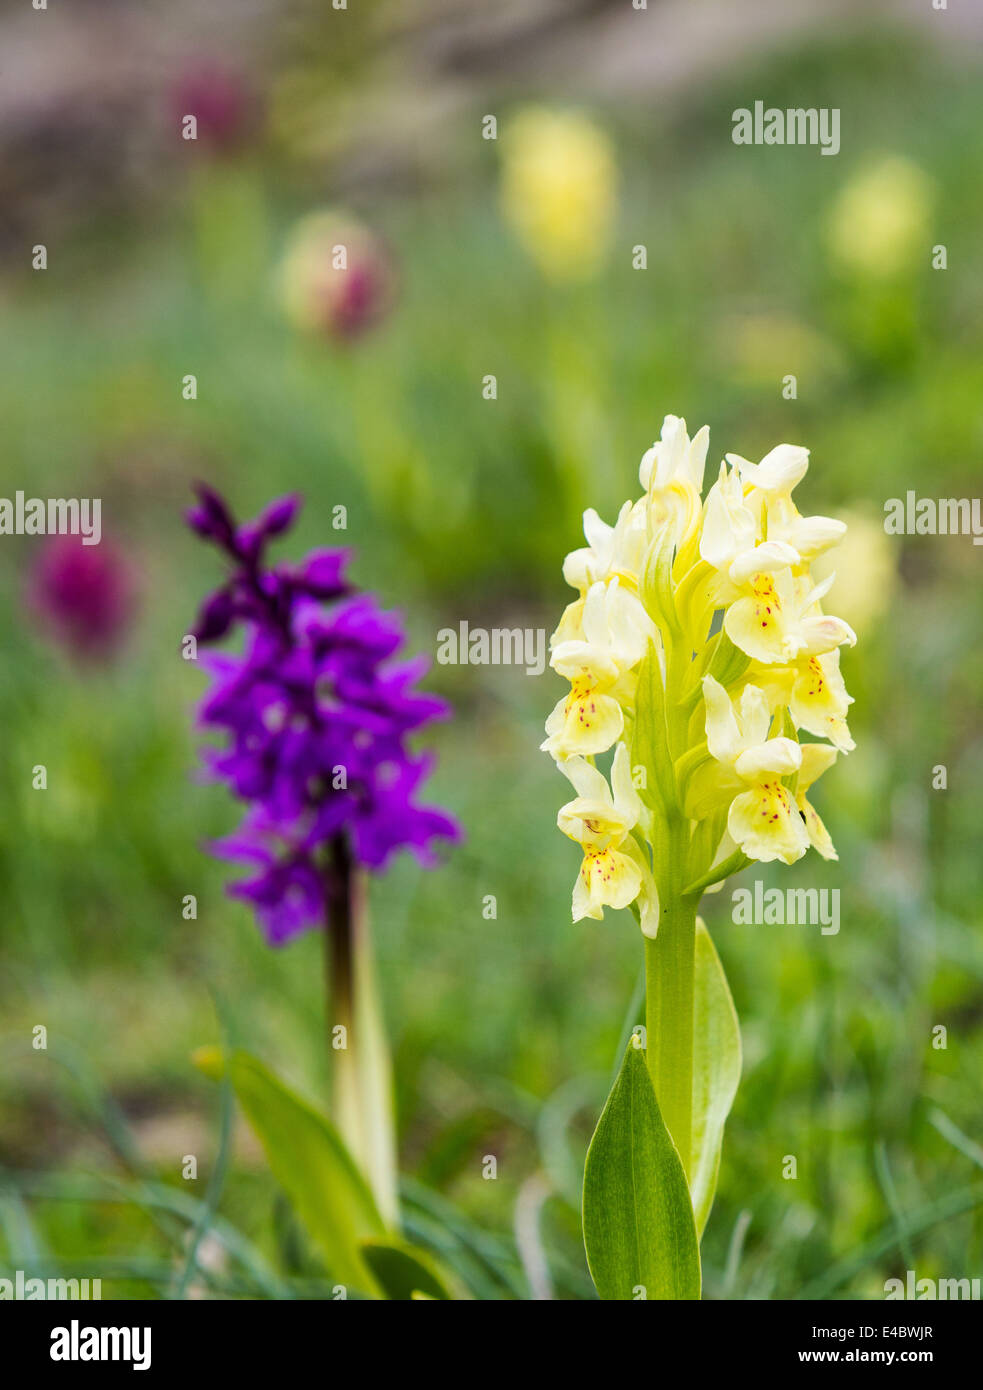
x: 362, y: 1077
x: 733, y: 864
x: 669, y: 987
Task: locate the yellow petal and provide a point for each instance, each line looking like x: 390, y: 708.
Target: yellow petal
x: 765, y: 822
x: 818, y: 701
x: 586, y: 722
x: 817, y: 832
x: 756, y: 622
x: 607, y: 878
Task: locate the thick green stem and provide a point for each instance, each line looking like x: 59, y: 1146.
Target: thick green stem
x: 669, y: 985
x: 361, y: 1073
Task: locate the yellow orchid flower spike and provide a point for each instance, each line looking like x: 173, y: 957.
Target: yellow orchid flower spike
x: 697, y: 649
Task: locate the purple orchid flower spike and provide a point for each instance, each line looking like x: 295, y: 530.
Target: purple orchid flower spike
x: 316, y: 712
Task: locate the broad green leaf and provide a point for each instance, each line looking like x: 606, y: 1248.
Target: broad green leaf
x: 404, y: 1271
x: 716, y: 1069
x: 638, y: 1220
x: 311, y: 1164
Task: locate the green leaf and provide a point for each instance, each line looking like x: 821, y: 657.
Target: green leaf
x: 638, y: 1220
x: 311, y: 1164
x: 716, y: 1069
x: 404, y: 1271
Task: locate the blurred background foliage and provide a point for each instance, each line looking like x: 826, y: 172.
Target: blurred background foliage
x: 166, y: 258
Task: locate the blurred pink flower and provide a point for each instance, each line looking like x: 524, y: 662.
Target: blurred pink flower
x: 337, y: 277
x: 222, y: 101
x: 84, y: 595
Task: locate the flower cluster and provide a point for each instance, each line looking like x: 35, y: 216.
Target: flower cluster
x: 697, y: 649
x: 317, y: 713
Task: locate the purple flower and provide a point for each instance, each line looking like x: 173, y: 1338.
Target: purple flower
x: 222, y: 101
x: 316, y: 712
x: 84, y: 595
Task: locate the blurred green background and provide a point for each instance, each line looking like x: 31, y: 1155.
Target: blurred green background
x: 165, y: 258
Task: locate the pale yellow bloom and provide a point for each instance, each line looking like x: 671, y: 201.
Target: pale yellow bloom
x: 763, y: 820
x: 558, y: 190
x: 611, y: 551
x: 671, y: 472
x: 880, y: 224
x: 815, y: 693
x: 600, y: 819
x: 651, y: 584
x: 768, y: 496
x: 602, y: 638
x: 779, y: 618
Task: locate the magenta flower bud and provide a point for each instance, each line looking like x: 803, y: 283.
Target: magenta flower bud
x: 222, y: 102
x: 85, y: 596
x: 277, y: 518
x: 211, y: 518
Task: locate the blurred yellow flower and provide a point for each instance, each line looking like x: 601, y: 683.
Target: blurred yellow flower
x: 559, y: 190
x: 879, y: 223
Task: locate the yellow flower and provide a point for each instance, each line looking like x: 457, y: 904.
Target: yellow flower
x: 707, y: 705
x: 671, y: 472
x: 611, y: 551
x: 879, y: 224
x: 781, y: 617
x: 815, y: 693
x: 763, y: 820
x: 768, y: 496
x: 600, y: 819
x: 601, y: 638
x: 558, y: 190
x: 731, y: 540
x: 648, y: 587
